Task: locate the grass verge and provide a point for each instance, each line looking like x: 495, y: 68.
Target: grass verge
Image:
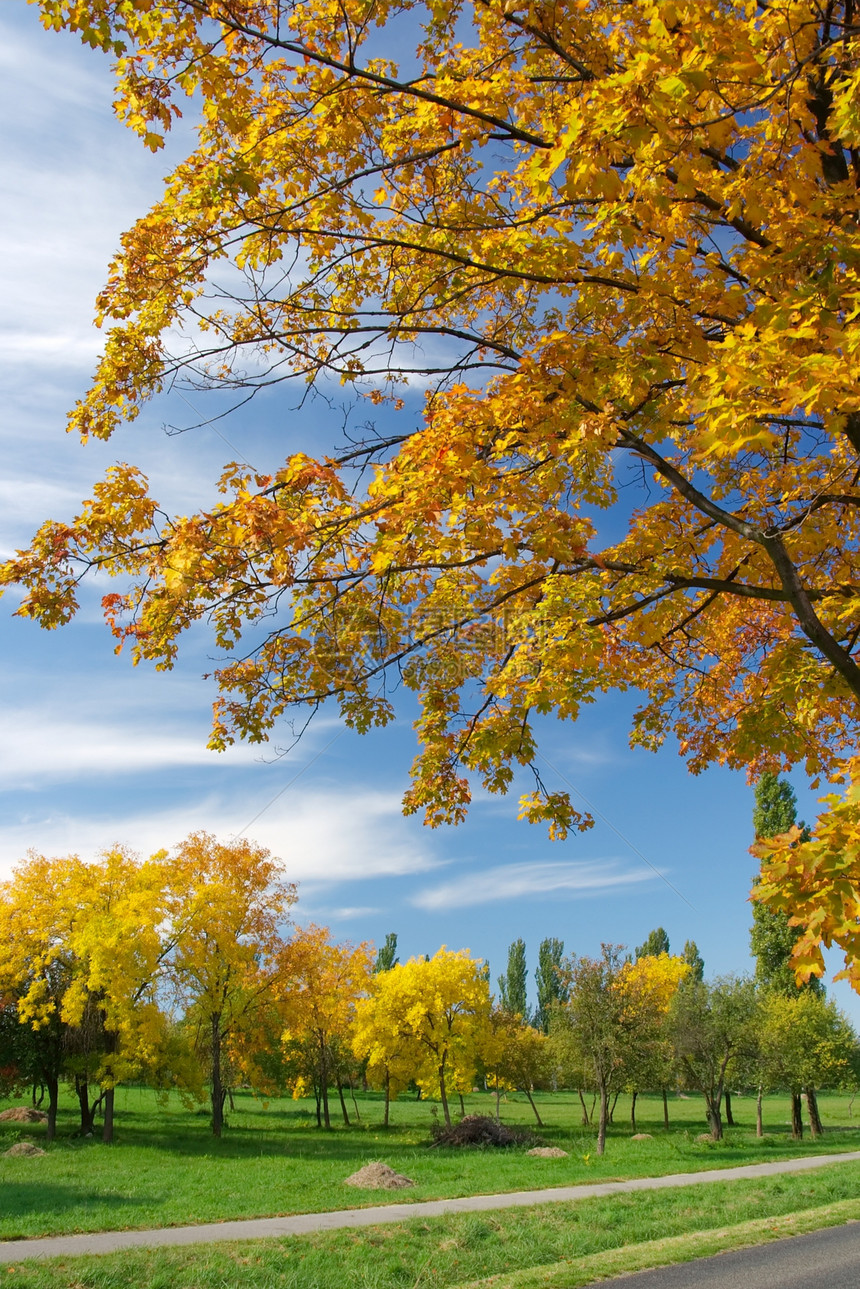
x: 548, y: 1245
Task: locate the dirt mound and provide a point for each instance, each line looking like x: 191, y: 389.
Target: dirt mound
x: 23, y: 1114
x: 376, y: 1176
x: 481, y: 1130
x: 548, y: 1152
x: 642, y: 1136
x: 24, y: 1148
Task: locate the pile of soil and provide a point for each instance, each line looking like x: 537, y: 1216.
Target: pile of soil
x: 548, y: 1152
x: 481, y: 1130
x: 23, y: 1114
x: 376, y: 1176
x: 24, y: 1148
x: 642, y: 1136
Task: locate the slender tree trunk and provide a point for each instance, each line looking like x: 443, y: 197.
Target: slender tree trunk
x: 665, y: 1110
x: 462, y: 1106
x: 342, y: 1101
x: 217, y: 1098
x: 387, y: 1096
x: 633, y: 1109
x: 445, y: 1111
x: 82, y: 1091
x: 591, y: 1108
x: 230, y: 1098
x: 602, y: 1120
x: 324, y: 1083
x: 354, y: 1102
x: 318, y: 1100
x: 53, y: 1085
x: 759, y: 1126
x: 614, y: 1104
x: 109, y: 1097
x: 796, y: 1117
x: 816, y: 1127
x: 585, y: 1118
x: 730, y: 1119
x: 534, y: 1107
x: 498, y: 1093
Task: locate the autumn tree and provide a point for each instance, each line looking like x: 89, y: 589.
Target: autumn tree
x: 516, y: 1056
x: 433, y: 1013
x: 650, y: 984
x: 512, y: 985
x: 228, y: 904
x: 617, y: 243
x: 550, y: 981
x: 805, y: 1042
x: 320, y: 990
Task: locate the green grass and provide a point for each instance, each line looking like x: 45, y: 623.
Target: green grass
x: 166, y: 1169
x: 554, y: 1246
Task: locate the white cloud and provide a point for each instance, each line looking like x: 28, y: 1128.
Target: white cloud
x: 322, y: 836
x: 522, y: 881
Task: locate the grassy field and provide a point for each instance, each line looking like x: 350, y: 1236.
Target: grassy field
x: 554, y: 1246
x: 166, y: 1169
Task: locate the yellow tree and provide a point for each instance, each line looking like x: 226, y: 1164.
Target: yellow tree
x: 228, y: 905
x: 650, y: 984
x: 619, y: 243
x: 321, y: 984
x: 37, y: 965
x: 432, y: 1014
x: 516, y: 1055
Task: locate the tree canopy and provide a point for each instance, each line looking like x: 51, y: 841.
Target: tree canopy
x: 617, y: 246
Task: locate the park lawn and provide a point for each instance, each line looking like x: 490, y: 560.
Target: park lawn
x: 166, y: 1169
x: 551, y: 1246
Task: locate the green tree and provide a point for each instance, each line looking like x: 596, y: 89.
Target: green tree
x: 713, y: 1028
x: 656, y: 942
x: 386, y: 957
x: 806, y: 1042
x: 549, y: 977
x: 512, y: 985
x: 694, y: 960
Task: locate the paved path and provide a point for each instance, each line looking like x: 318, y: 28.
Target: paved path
x: 828, y: 1259
x: 305, y: 1223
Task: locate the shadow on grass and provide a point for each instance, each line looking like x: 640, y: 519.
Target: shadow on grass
x: 22, y: 1200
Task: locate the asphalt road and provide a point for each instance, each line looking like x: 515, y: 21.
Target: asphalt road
x: 828, y: 1259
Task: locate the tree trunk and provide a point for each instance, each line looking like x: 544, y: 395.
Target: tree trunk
x: 82, y: 1090
x: 585, y: 1118
x: 816, y: 1127
x: 318, y: 1100
x: 53, y: 1086
x: 612, y: 1109
x: 354, y: 1102
x: 633, y: 1109
x: 387, y: 1097
x: 715, y: 1119
x: 730, y: 1119
x: 463, y: 1106
x: 602, y: 1120
x: 759, y: 1128
x: 230, y: 1098
x: 498, y: 1092
x: 109, y: 1096
x: 217, y: 1096
x: 534, y: 1107
x: 665, y: 1110
x: 445, y: 1111
x: 796, y: 1117
x: 342, y: 1101
x: 324, y: 1083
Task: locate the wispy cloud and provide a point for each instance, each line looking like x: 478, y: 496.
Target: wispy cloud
x: 530, y: 881
x: 323, y: 836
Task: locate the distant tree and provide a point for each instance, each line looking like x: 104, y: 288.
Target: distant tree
x: 549, y: 976
x: 694, y: 960
x: 651, y: 983
x: 386, y: 957
x: 516, y: 1056
x: 713, y: 1027
x: 601, y: 1022
x: 429, y: 1018
x: 656, y: 942
x: 512, y: 985
x: 805, y: 1042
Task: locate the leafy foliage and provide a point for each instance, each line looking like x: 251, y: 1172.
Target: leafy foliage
x: 512, y: 985
x: 618, y: 244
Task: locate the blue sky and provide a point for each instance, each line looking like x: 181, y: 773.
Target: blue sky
x: 95, y: 751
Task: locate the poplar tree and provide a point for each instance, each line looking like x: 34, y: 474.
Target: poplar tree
x: 551, y: 987
x: 512, y: 985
